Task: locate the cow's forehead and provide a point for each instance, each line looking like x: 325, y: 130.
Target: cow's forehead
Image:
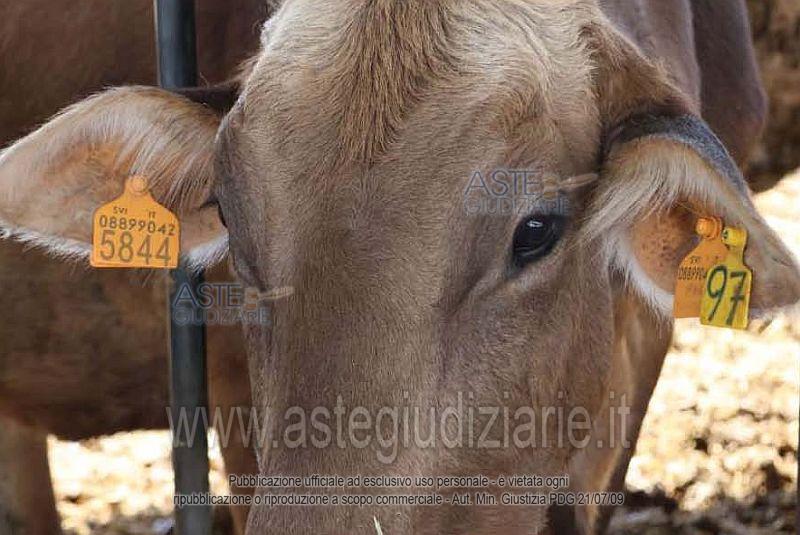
x: 334, y: 78
x: 346, y: 124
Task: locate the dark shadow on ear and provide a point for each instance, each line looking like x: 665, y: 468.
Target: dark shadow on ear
x: 687, y: 130
x: 220, y: 97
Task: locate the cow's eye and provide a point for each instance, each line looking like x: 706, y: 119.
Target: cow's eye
x: 536, y: 237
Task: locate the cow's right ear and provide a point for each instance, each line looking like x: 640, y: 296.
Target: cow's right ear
x: 662, y: 168
x: 52, y: 181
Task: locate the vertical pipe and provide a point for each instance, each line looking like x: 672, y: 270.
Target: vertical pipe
x: 176, y: 42
x: 188, y: 396
x: 177, y: 67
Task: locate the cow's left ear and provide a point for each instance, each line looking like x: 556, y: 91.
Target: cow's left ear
x: 660, y: 172
x: 52, y: 181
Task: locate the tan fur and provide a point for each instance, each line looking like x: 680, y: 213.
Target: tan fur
x: 499, y: 106
x: 388, y: 71
x: 25, y: 485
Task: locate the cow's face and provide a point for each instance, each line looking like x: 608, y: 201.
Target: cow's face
x: 384, y: 195
x: 431, y: 196
x: 379, y: 184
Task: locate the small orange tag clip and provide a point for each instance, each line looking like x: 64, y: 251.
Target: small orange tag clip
x: 690, y: 285
x: 134, y: 231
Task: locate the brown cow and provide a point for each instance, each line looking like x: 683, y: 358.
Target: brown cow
x: 344, y: 171
x: 84, y: 352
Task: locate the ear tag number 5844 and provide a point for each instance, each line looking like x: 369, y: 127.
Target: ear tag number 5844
x: 134, y: 231
x: 726, y: 296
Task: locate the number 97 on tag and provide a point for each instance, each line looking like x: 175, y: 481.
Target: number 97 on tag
x: 726, y: 296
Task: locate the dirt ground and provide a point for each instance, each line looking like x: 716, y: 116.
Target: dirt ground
x: 717, y: 454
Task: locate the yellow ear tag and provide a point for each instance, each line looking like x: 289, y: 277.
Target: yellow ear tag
x: 726, y: 298
x: 693, y: 270
x: 134, y: 231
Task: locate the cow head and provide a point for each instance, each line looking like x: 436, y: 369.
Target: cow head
x: 362, y: 167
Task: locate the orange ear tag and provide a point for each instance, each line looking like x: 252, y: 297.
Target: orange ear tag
x: 134, y: 231
x: 726, y: 298
x: 694, y: 268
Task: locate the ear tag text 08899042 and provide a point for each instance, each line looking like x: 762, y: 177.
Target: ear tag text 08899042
x: 726, y: 298
x: 692, y: 272
x: 134, y: 231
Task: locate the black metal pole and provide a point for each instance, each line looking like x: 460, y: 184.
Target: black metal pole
x: 177, y: 43
x: 177, y: 67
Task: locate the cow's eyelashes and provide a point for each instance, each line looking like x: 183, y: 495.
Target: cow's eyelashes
x: 536, y: 237
x: 221, y: 215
